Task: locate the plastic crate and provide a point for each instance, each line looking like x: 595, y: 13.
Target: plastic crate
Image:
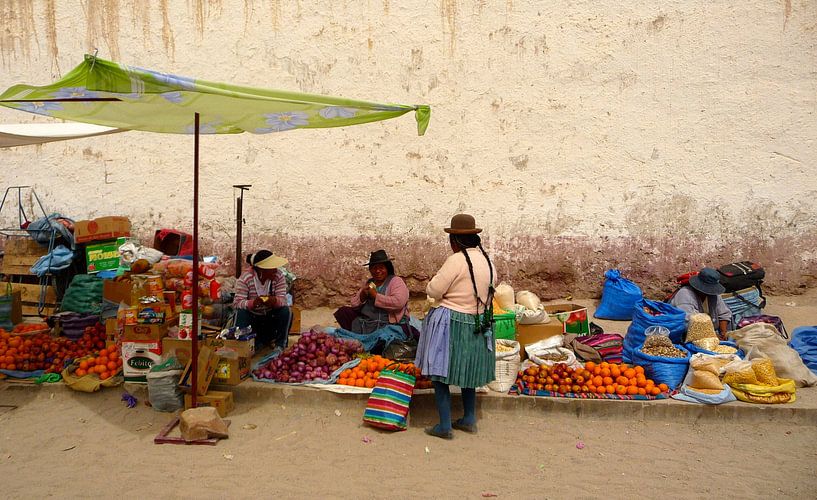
x: 505, y: 326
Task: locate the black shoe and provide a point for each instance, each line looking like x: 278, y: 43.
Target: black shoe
x: 470, y: 428
x: 434, y: 431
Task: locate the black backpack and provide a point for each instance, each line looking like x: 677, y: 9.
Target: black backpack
x: 741, y: 275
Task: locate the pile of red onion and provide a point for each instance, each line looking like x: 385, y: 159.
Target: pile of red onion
x: 315, y: 356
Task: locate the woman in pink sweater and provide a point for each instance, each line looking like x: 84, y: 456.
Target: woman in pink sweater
x: 381, y: 301
x: 456, y: 344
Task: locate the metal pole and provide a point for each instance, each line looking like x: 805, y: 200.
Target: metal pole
x: 195, y: 340
x: 239, y: 224
x: 239, y: 207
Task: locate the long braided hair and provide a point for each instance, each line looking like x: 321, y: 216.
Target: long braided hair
x: 464, y: 242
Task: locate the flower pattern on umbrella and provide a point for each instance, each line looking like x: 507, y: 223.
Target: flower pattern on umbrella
x: 170, y: 80
x: 330, y: 112
x: 74, y: 92
x: 204, y: 128
x: 175, y: 97
x: 39, y: 107
x: 288, y: 120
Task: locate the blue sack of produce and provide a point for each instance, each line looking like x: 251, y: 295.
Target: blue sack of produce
x: 804, y: 341
x: 663, y: 370
x: 618, y: 297
x: 648, y: 313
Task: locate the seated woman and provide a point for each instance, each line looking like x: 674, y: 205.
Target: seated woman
x: 703, y: 295
x: 260, y: 300
x: 381, y: 301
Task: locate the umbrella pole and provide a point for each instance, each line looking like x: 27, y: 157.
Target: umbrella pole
x: 195, y: 340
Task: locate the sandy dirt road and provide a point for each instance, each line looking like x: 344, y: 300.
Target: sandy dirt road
x: 71, y: 445
x: 57, y: 443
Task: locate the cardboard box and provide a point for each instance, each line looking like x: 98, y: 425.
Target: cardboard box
x: 148, y: 333
x: 117, y: 291
x: 103, y: 256
x: 232, y: 371
x: 177, y: 347
x: 529, y: 334
x: 101, y: 228
x: 296, y: 320
x: 138, y: 358
x: 206, y: 369
x: 241, y: 348
x: 572, y: 316
x: 220, y: 400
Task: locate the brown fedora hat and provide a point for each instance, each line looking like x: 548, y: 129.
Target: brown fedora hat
x: 463, y: 224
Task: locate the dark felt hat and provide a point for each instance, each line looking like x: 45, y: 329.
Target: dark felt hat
x: 377, y: 257
x: 708, y: 282
x: 463, y: 224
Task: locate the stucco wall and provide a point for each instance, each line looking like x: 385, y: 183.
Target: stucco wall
x: 654, y: 136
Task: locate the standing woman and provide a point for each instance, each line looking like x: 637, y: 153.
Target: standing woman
x: 260, y: 299
x: 456, y: 344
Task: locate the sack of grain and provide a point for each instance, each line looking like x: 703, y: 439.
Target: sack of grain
x: 700, y: 327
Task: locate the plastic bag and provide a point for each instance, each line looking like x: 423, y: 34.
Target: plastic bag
x: 663, y: 370
x: 164, y: 393
x: 506, y: 349
x: 739, y: 372
x: 804, y: 341
x: 532, y: 317
x: 506, y: 371
x: 761, y: 340
x: 691, y: 390
x: 401, y: 350
x: 651, y: 313
x: 528, y: 299
x: 60, y: 258
x: 504, y: 296
x: 784, y: 392
x: 618, y: 297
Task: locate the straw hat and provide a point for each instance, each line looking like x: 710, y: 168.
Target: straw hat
x: 271, y: 262
x: 463, y: 224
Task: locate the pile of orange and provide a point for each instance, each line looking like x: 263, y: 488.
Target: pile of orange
x: 105, y: 365
x: 366, y: 373
x: 610, y: 378
x: 601, y: 378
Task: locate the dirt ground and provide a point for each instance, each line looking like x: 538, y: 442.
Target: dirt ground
x: 70, y: 445
x: 57, y: 443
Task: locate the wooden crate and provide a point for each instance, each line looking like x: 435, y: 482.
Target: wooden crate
x: 23, y: 246
x: 30, y: 309
x: 31, y: 293
x: 20, y: 255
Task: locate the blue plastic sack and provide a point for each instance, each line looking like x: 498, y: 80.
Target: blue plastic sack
x: 59, y: 258
x: 40, y: 230
x: 699, y: 350
x: 618, y: 297
x: 693, y: 396
x: 804, y: 341
x: 670, y: 317
x: 670, y: 371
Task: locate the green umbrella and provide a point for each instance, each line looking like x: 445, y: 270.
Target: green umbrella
x: 126, y: 97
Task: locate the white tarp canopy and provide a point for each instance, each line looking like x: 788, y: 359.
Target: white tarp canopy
x: 22, y: 134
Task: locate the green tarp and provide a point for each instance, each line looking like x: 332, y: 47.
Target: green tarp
x: 141, y: 99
